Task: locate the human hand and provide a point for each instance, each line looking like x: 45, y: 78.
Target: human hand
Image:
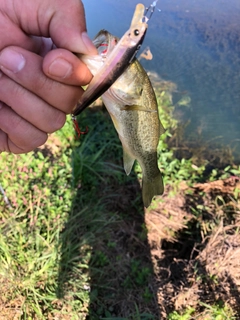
x: 38, y: 85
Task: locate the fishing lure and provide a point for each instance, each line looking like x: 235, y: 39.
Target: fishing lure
x: 116, y: 62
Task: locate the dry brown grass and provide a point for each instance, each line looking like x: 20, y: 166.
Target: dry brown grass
x: 196, y: 259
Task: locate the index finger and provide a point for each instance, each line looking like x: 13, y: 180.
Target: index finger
x: 62, y: 20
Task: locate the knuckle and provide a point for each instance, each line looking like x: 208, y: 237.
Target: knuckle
x: 18, y: 92
x: 42, y: 84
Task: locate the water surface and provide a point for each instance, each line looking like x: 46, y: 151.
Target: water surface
x: 195, y: 44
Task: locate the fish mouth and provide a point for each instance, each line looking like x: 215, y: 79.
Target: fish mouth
x: 104, y: 42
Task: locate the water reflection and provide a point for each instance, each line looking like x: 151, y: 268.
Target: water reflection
x: 195, y: 44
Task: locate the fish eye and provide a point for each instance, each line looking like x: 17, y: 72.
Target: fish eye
x: 136, y: 32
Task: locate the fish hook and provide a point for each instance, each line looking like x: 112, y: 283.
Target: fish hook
x: 150, y: 10
x: 76, y: 127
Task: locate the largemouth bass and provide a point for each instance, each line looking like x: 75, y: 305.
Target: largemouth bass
x: 132, y: 105
x: 129, y: 98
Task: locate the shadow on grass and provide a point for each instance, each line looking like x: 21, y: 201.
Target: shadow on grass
x: 105, y: 264
x: 106, y: 269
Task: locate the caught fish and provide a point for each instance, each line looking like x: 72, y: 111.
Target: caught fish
x: 132, y: 105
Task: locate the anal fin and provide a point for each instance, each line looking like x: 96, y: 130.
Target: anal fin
x: 128, y: 161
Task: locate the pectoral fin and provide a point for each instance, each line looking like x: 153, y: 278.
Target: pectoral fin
x: 128, y: 161
x: 136, y: 108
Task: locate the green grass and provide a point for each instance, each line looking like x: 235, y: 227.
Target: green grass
x: 215, y: 312
x: 73, y: 244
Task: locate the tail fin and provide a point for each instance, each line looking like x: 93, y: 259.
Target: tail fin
x: 151, y: 188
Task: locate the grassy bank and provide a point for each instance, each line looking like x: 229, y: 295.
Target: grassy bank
x: 75, y: 242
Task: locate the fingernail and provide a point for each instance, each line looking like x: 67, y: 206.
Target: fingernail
x: 12, y: 60
x: 60, y: 68
x: 88, y: 43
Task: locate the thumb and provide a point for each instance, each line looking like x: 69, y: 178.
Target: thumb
x: 67, y: 27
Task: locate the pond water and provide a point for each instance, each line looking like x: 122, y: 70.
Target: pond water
x: 196, y: 45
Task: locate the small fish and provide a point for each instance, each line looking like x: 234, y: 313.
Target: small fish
x: 132, y: 105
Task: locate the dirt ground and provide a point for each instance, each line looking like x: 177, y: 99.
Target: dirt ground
x: 195, y: 247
